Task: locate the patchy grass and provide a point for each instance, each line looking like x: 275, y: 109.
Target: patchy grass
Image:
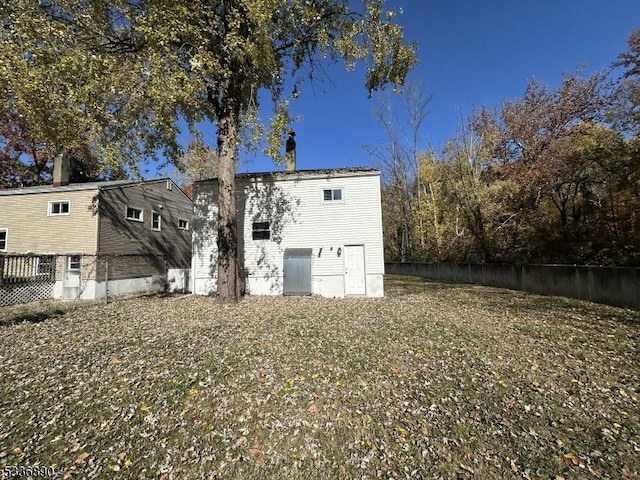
x: 434, y: 381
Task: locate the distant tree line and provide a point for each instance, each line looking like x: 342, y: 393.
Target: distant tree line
x: 551, y: 177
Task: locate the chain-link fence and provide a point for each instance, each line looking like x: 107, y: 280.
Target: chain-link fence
x: 35, y: 287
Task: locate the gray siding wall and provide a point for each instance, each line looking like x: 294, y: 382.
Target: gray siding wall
x: 121, y: 236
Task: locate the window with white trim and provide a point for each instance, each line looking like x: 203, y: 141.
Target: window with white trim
x: 332, y: 195
x: 261, y: 231
x: 183, y: 224
x: 4, y: 233
x: 44, y: 265
x: 62, y: 207
x: 134, y: 214
x: 156, y: 221
x: 74, y: 262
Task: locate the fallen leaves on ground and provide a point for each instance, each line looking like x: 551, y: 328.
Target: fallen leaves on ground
x: 433, y: 381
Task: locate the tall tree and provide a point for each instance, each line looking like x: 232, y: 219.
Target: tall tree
x: 117, y: 74
x: 527, y: 138
x: 626, y: 111
x: 402, y: 117
x: 26, y: 162
x: 464, y: 177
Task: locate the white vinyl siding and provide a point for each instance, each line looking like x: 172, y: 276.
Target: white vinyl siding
x: 299, y: 218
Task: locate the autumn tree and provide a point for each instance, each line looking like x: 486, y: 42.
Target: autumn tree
x: 528, y: 141
x: 466, y: 184
x: 26, y: 162
x: 626, y: 112
x: 431, y: 210
x: 401, y: 116
x: 116, y: 75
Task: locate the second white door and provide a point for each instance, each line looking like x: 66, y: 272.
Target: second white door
x: 354, y: 274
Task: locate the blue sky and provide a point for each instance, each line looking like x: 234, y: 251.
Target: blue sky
x: 472, y: 53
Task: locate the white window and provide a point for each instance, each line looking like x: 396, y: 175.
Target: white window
x: 44, y: 265
x: 156, y: 221
x: 332, y: 195
x: 134, y: 214
x: 261, y: 231
x: 4, y: 233
x: 60, y: 207
x: 183, y: 224
x: 74, y: 262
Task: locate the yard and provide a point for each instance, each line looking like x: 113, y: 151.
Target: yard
x: 433, y: 381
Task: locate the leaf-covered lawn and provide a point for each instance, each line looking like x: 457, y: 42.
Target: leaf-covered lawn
x: 433, y: 381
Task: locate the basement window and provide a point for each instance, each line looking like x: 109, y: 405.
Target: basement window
x: 59, y: 208
x: 44, y: 265
x: 332, y: 195
x: 261, y: 231
x: 134, y: 214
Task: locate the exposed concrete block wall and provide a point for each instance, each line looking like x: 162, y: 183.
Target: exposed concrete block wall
x: 610, y: 285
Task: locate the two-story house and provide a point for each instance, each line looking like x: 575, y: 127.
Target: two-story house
x: 143, y: 226
x: 300, y: 232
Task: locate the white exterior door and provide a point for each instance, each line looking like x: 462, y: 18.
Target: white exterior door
x: 354, y: 276
x: 72, y: 275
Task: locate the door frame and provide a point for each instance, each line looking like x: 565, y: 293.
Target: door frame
x: 364, y: 271
x: 71, y: 289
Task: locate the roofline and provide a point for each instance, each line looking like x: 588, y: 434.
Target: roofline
x: 108, y: 185
x: 78, y: 187
x: 296, y: 174
x: 140, y: 182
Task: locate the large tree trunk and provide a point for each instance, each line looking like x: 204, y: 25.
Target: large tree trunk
x: 229, y: 285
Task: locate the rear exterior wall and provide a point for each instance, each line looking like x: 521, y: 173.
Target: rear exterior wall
x: 30, y: 227
x: 298, y: 217
x: 119, y: 235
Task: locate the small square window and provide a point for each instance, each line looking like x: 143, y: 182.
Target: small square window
x: 74, y: 262
x: 156, y: 221
x: 134, y: 214
x: 261, y: 231
x: 59, y: 208
x: 44, y: 265
x: 183, y: 224
x: 332, y: 195
x: 3, y: 239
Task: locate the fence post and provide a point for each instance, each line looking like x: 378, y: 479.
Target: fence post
x: 166, y: 275
x: 106, y: 280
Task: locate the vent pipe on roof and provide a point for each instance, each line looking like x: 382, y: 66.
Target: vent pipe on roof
x: 60, y: 170
x: 291, y: 152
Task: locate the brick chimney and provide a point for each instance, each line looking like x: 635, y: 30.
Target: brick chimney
x: 291, y: 152
x: 60, y: 170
